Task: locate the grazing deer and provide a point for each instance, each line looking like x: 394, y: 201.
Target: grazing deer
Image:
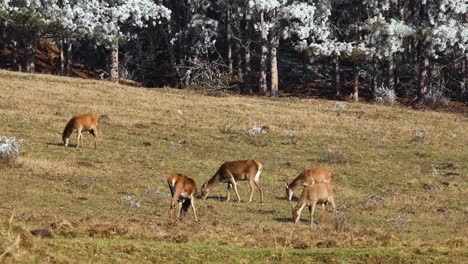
x: 309, y: 176
x: 319, y: 193
x: 183, y: 191
x: 233, y: 171
x: 81, y: 123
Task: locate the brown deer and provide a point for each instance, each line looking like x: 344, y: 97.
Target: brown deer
x: 309, y: 176
x: 232, y: 171
x: 81, y: 123
x: 319, y: 193
x: 183, y: 191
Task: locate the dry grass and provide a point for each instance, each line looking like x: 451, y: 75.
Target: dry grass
x: 150, y: 133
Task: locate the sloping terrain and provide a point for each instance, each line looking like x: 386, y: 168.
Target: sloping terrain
x: 401, y: 177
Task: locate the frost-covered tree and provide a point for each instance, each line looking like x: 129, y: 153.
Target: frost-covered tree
x: 441, y: 30
x: 301, y: 21
x: 25, y: 22
x: 386, y: 31
x: 109, y: 19
x: 267, y: 23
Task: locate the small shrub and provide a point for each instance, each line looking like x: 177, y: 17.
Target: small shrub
x: 373, y: 201
x: 435, y: 97
x: 333, y: 157
x: 156, y: 194
x: 384, y: 95
x: 184, y: 118
x: 177, y: 144
x: 420, y: 135
x: 9, y: 148
x: 128, y: 201
x: 292, y: 137
x: 225, y: 129
x: 257, y: 129
x: 341, y: 219
x: 339, y: 107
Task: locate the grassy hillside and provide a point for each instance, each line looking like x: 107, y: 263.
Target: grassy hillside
x: 401, y: 197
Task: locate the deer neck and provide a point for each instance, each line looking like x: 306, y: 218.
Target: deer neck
x: 214, y: 180
x: 296, y: 182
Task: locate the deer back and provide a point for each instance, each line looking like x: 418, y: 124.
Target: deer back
x: 240, y: 169
x: 316, y: 175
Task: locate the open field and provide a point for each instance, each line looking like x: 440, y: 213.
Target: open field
x: 401, y: 197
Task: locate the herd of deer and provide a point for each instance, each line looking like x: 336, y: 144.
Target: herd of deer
x: 318, y: 189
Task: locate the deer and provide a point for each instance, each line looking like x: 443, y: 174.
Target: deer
x: 318, y: 193
x: 81, y: 123
x: 232, y: 171
x: 183, y: 192
x: 309, y: 176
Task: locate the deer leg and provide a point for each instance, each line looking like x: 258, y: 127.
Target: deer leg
x: 173, y: 205
x: 234, y: 184
x: 251, y: 190
x: 179, y: 210
x: 171, y: 188
x: 312, y: 215
x: 229, y: 192
x: 260, y: 189
x: 175, y: 202
x: 96, y: 136
x: 299, y: 212
x: 81, y: 138
x: 78, y: 136
x: 94, y: 133
x: 332, y: 201
x: 324, y: 212
x: 192, y: 202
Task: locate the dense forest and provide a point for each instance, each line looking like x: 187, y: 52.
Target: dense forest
x: 382, y: 49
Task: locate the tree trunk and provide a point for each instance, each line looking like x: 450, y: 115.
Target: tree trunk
x: 114, y: 69
x: 463, y: 83
x: 69, y: 57
x: 337, y: 75
x: 238, y: 65
x: 374, y: 81
x: 274, y: 72
x: 29, y: 57
x: 247, y: 87
x: 229, y: 39
x: 4, y: 35
x: 355, y: 93
x: 247, y: 69
x: 263, y: 55
x: 14, y: 55
x: 238, y: 52
x: 424, y: 66
x: 391, y: 73
x: 273, y: 59
x: 62, y: 56
x: 172, y: 56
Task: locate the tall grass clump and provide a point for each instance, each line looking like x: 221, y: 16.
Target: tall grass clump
x: 13, y: 239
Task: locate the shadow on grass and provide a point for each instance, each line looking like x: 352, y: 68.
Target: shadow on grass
x: 290, y: 220
x: 283, y: 219
x: 284, y: 198
x: 60, y: 145
x: 216, y: 198
x: 54, y: 144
